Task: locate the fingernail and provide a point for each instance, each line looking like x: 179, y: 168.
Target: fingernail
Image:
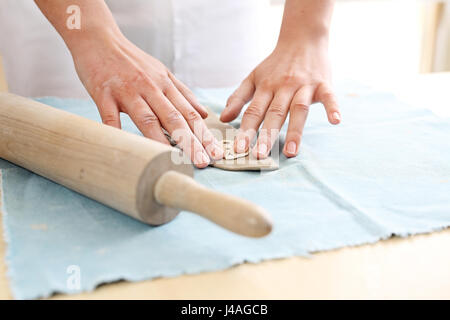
x: 336, y: 116
x: 201, y: 158
x: 225, y: 110
x: 262, y: 149
x: 205, y: 158
x: 217, y: 152
x: 240, y: 147
x: 291, y: 147
x: 204, y: 110
x: 223, y: 114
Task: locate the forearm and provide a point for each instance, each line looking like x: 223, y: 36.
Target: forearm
x: 305, y: 20
x: 96, y: 20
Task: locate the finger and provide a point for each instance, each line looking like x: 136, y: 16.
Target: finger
x: 196, y: 124
x: 109, y: 111
x: 252, y: 119
x: 275, y: 116
x: 145, y: 119
x: 237, y: 100
x: 189, y: 95
x: 173, y: 121
x: 325, y: 95
x: 298, y: 112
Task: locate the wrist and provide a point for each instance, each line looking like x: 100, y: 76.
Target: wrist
x: 305, y: 23
x: 317, y: 33
x: 303, y: 42
x: 79, y: 41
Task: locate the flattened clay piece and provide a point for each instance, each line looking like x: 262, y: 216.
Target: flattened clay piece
x: 247, y: 163
x: 228, y: 147
x: 232, y: 161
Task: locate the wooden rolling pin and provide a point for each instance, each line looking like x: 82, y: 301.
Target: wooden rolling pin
x: 127, y: 172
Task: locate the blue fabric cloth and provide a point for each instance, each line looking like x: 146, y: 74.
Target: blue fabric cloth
x: 385, y: 170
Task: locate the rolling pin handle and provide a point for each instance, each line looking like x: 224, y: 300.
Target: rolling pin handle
x: 180, y: 191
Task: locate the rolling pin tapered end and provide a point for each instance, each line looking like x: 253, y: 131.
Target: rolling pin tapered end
x: 243, y: 217
x: 255, y: 223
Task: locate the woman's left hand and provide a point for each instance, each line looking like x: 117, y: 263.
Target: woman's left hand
x: 287, y: 81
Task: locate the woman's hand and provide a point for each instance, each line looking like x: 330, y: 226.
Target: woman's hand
x: 122, y: 78
x: 294, y: 76
x: 288, y: 81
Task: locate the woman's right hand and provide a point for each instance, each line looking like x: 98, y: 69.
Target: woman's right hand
x: 120, y: 77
